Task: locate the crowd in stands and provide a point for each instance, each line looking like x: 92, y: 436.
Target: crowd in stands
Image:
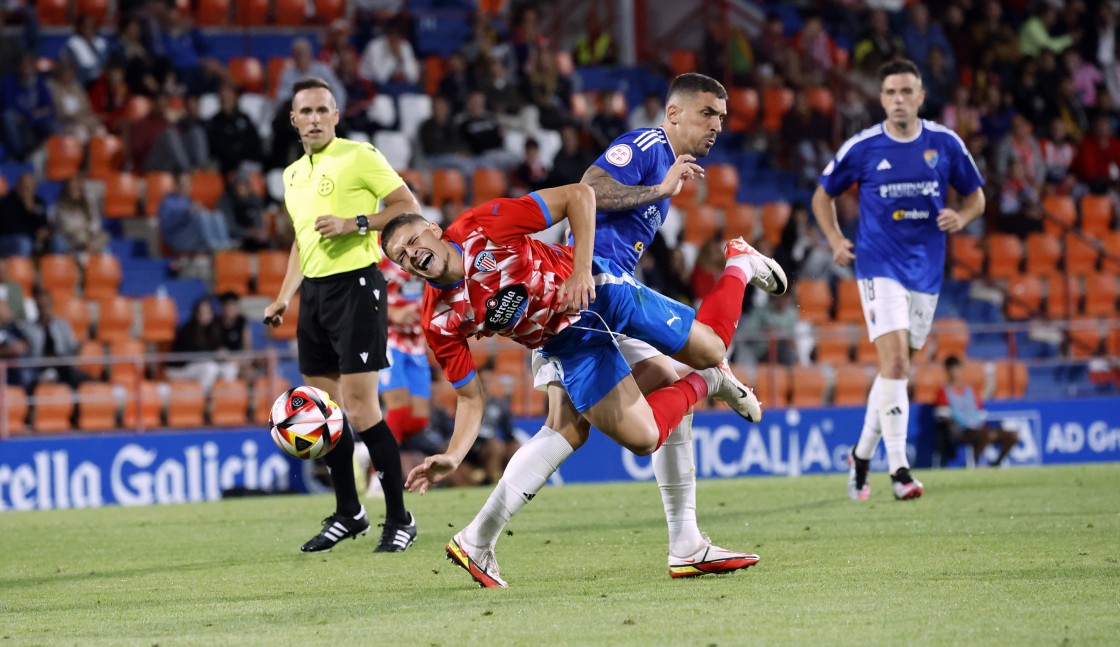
x: 1032, y: 88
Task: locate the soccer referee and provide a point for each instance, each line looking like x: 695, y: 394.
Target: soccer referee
x: 332, y: 194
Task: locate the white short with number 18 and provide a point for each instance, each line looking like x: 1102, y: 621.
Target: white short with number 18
x: 887, y: 306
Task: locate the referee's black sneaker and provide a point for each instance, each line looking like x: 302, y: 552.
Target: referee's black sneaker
x: 396, y: 537
x: 336, y: 528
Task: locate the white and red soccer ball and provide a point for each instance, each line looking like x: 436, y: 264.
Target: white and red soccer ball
x: 305, y: 422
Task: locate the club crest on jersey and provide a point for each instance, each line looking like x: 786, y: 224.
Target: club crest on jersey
x: 485, y: 262
x: 326, y: 186
x: 506, y: 307
x: 931, y: 158
x: 619, y: 155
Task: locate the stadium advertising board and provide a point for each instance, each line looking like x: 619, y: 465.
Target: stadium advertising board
x: 155, y: 468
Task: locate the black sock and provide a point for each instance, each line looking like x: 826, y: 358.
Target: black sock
x: 341, y: 462
x: 385, y: 454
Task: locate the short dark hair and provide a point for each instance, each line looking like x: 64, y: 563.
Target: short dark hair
x: 899, y: 66
x: 396, y: 223
x: 309, y: 83
x: 227, y: 296
x: 952, y: 362
x: 694, y: 83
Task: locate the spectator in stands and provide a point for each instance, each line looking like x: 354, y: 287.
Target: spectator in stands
x: 360, y: 94
x: 1098, y: 156
x: 544, y: 87
x: 192, y: 130
x: 1020, y: 210
x: 480, y: 131
x: 155, y: 144
x: 24, y: 229
x: 12, y: 46
x: 1022, y: 145
x: 532, y: 174
x: 725, y: 52
x: 52, y: 337
x: 187, y: 49
x: 233, y: 330
x: 26, y: 109
x: 390, y: 62
x: 243, y: 211
x: 303, y: 66
x: 108, y: 98
x: 960, y: 114
x: 144, y: 73
x: 961, y: 418
x: 14, y: 346
x: 456, y: 84
x: 1100, y: 46
x: 77, y: 220
x: 571, y: 160
x: 772, y: 323
x: 878, y: 46
x: 200, y: 334
x: 803, y: 142
x: 607, y: 123
x: 496, y: 442
x: 804, y: 250
x: 1034, y: 35
x: 336, y: 41
x: 87, y: 51
x: 12, y: 293
x: 1067, y: 106
x: 1086, y: 77
x: 594, y: 46
x: 527, y: 36
x: 440, y: 140
x: 188, y: 227
x: 815, y: 54
x: 707, y: 268
x: 855, y: 113
x: 1030, y: 100
x: 286, y: 147
x: 233, y: 137
x: 502, y: 94
x: 957, y: 33
x: 71, y: 104
x: 648, y: 115
x: 771, y: 48
x: 1058, y: 152
x: 996, y: 35
x: 487, y: 45
x: 921, y: 34
x: 996, y: 113
x: 938, y: 80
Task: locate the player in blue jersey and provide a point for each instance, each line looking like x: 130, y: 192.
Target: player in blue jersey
x: 904, y: 168
x: 633, y: 182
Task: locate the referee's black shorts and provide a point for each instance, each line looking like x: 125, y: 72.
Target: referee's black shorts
x: 343, y: 320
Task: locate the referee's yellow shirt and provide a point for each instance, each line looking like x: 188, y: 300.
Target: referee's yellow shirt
x: 345, y: 179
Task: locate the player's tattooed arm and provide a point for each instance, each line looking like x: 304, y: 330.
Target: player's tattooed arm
x: 612, y: 195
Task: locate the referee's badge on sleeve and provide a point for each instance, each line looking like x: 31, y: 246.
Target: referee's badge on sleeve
x: 619, y: 155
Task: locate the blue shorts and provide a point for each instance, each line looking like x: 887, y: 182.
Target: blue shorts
x: 590, y: 361
x: 407, y: 371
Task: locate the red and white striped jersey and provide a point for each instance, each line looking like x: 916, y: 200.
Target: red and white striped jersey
x: 510, y: 287
x: 404, y: 290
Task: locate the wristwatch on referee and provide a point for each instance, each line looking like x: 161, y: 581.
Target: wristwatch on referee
x: 363, y: 225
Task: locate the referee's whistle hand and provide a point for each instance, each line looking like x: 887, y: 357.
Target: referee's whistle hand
x: 274, y: 314
x: 331, y: 226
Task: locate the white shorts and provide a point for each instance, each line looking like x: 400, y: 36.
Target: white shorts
x: 887, y: 306
x: 546, y: 371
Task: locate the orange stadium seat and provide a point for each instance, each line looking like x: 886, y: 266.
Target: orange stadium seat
x: 1063, y: 296
x: 1096, y: 214
x: 681, y: 61
x: 229, y: 403
x: 1085, y: 339
x: 1043, y: 253
x: 775, y: 216
x: 848, y: 306
x: 3, y: 186
x: 327, y: 11
x: 776, y: 102
x: 142, y: 406
x: 265, y: 391
x: 247, y: 72
x: 686, y: 197
x: 15, y: 401
x: 159, y: 317
x: 186, y: 404
x: 448, y: 185
x: 1024, y: 296
x: 53, y: 12
x: 122, y: 191
x: 414, y: 178
x: 102, y: 276
x: 207, y: 187
x: 21, y: 271
x: 271, y: 266
x: 700, y: 225
x: 739, y: 220
x: 852, y: 385
x: 1081, y: 255
x: 58, y: 273
x: 75, y: 311
x: 487, y: 184
x: 290, y: 13
x: 834, y: 343
x: 972, y: 374
x: 212, y: 13
x: 867, y: 353
x: 1005, y: 253
x: 1063, y: 211
x: 1101, y: 294
x: 251, y: 13
x: 434, y: 69
x: 952, y: 338
x: 822, y: 100
x: 106, y: 156
x: 54, y: 405
x: 1110, y: 252
x: 928, y: 380
x: 771, y: 385
x: 64, y: 157
x: 97, y: 407
x: 808, y: 386
x: 287, y: 328
x: 1011, y: 379
x: 126, y: 367
x: 275, y: 68
x: 815, y: 300
x: 743, y: 109
x: 231, y: 272
x: 723, y: 183
x: 157, y: 185
x: 967, y: 255
x: 114, y: 319
x: 92, y: 354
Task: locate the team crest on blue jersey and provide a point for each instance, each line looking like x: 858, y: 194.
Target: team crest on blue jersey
x: 931, y: 157
x: 485, y: 262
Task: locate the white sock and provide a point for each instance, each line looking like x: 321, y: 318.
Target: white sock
x: 744, y: 264
x: 526, y: 474
x: 675, y: 469
x: 894, y: 416
x: 872, y: 431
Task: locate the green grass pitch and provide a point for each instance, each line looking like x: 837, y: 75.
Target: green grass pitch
x: 1025, y: 556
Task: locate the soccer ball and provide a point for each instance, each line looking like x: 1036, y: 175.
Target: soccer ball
x: 305, y: 422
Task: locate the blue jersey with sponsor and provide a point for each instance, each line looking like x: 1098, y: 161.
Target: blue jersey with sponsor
x: 638, y: 158
x: 902, y: 187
